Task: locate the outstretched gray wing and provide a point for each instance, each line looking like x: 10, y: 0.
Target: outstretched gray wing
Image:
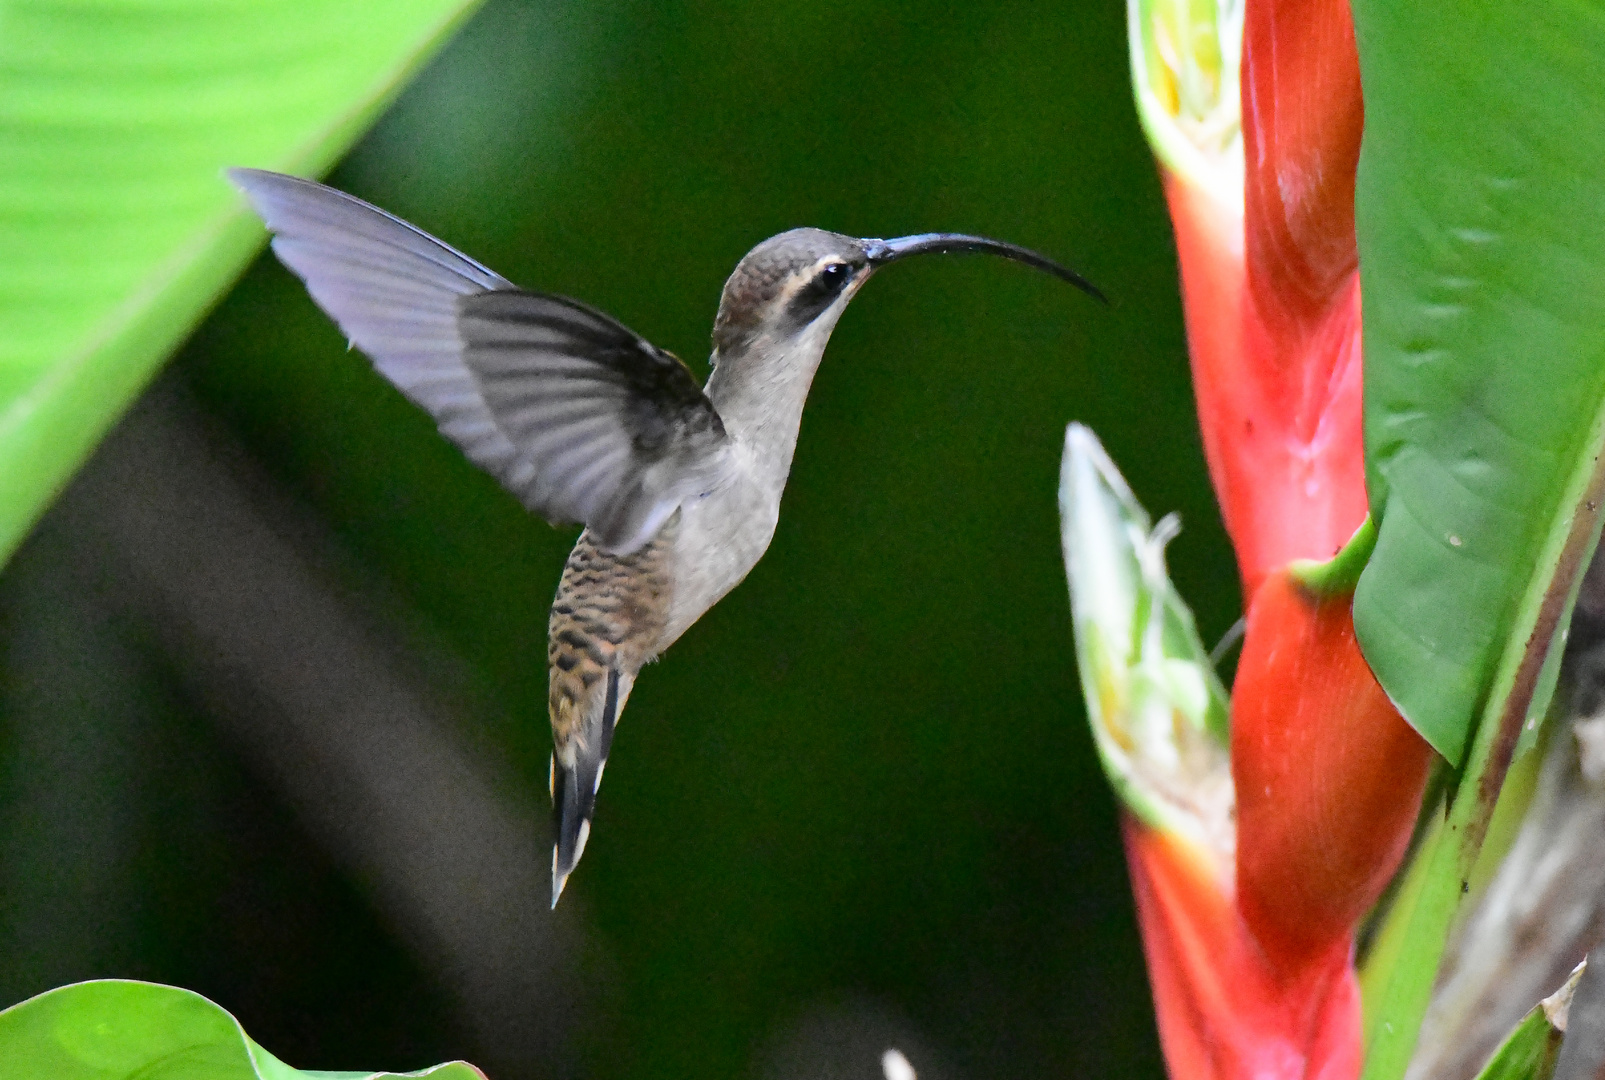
x: 576, y: 415
x: 573, y: 413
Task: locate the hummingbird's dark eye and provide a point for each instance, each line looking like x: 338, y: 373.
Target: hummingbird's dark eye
x: 819, y: 293
x: 834, y: 275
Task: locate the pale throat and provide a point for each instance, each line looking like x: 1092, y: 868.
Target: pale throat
x: 760, y: 392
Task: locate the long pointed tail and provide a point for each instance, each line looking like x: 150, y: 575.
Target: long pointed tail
x: 576, y: 774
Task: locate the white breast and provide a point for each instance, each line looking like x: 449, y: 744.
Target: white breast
x: 723, y: 533
x: 721, y: 537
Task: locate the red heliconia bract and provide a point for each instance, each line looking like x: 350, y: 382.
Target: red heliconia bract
x: 1328, y: 775
x: 1272, y: 295
x: 1254, y: 977
x: 1284, y: 451
x: 1225, y: 1012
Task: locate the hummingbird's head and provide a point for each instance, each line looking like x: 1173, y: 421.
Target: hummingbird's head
x: 791, y: 289
x: 787, y: 286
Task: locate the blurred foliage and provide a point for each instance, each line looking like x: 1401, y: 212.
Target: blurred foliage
x: 117, y: 234
x: 865, y: 775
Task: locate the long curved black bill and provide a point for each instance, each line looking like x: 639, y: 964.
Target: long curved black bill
x: 881, y: 252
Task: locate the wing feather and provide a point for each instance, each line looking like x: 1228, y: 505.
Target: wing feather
x: 578, y: 416
x: 619, y: 427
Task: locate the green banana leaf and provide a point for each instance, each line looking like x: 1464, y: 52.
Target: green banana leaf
x: 112, y: 1029
x: 117, y: 229
x: 1481, y: 223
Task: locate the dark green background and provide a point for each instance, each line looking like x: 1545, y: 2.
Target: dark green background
x: 865, y: 776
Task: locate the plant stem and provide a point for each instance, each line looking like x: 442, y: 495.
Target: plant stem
x: 1452, y: 852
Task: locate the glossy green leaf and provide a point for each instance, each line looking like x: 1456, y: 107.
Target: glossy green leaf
x: 1528, y: 1053
x: 1481, y: 221
x: 117, y: 230
x: 112, y: 1029
x: 1481, y: 224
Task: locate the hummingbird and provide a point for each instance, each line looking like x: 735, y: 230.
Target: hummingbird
x: 677, y: 485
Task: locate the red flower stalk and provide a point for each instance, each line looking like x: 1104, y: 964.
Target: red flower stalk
x: 1282, y: 438
x: 1272, y: 295
x: 1328, y: 775
x: 1252, y: 976
x: 1224, y: 1012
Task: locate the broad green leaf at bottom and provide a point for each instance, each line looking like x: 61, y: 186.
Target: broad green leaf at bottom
x: 113, y: 1029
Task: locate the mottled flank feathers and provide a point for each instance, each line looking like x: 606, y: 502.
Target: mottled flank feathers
x: 606, y: 623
